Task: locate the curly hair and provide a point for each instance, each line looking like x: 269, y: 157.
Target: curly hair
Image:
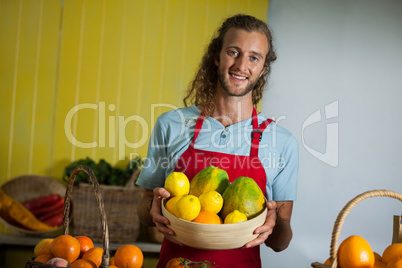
x: 202, y: 88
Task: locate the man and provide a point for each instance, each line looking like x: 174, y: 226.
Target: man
x: 222, y: 124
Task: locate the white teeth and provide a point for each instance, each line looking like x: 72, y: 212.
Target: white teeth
x: 238, y: 77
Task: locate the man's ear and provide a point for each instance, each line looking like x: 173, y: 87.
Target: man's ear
x: 263, y: 70
x: 216, y: 59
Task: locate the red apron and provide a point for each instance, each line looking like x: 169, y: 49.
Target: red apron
x: 193, y: 161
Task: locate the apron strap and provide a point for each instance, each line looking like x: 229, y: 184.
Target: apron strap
x: 197, y: 129
x: 255, y: 119
x: 256, y: 133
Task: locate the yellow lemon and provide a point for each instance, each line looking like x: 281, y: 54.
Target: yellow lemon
x: 187, y: 208
x: 171, y: 203
x: 211, y: 201
x: 177, y: 184
x: 235, y: 216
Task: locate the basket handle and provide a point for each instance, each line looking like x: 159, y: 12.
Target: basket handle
x: 345, y: 211
x: 98, y: 195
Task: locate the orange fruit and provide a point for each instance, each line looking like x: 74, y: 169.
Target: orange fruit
x: 395, y: 263
x: 44, y: 258
x: 377, y: 257
x: 177, y: 263
x: 379, y: 264
x: 113, y: 266
x: 128, y: 256
x: 43, y: 247
x: 355, y: 252
x: 393, y: 251
x: 81, y: 263
x: 86, y: 243
x: 171, y: 203
x: 65, y: 247
x: 208, y: 217
x: 111, y: 262
x: 94, y: 254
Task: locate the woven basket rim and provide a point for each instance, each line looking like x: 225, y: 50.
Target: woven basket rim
x: 39, y: 178
x: 129, y: 186
x: 105, y: 186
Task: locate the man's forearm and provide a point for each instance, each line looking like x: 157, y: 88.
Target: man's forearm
x: 282, y: 234
x: 144, y: 208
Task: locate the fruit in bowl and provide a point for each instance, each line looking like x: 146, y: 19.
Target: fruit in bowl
x: 198, y: 217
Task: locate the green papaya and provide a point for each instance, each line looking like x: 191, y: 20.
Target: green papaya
x: 244, y: 195
x: 209, y: 179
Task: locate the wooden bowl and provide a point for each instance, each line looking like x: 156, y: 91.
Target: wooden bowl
x: 27, y: 187
x: 213, y: 236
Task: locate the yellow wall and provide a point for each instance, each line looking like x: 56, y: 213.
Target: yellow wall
x: 112, y: 60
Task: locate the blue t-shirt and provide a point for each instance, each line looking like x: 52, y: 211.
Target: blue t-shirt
x: 174, y: 131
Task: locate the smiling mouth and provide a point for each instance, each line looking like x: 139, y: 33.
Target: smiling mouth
x: 238, y: 76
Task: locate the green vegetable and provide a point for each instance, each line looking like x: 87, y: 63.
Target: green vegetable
x: 104, y: 172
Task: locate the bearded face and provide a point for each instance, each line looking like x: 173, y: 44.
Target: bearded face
x: 241, y: 61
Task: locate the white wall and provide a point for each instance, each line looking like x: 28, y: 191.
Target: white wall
x: 348, y: 53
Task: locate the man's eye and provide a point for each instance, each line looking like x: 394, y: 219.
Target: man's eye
x: 232, y: 52
x: 254, y: 59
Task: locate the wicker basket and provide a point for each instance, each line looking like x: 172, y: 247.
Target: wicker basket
x: 101, y: 210
x: 120, y: 207
x: 341, y: 218
x: 27, y: 187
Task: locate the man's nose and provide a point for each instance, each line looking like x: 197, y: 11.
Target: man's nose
x: 241, y: 63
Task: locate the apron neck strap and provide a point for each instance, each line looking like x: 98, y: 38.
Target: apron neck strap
x: 255, y: 119
x: 197, y: 130
x: 256, y: 133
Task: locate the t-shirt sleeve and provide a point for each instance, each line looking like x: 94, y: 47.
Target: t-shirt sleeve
x: 152, y: 174
x: 284, y: 187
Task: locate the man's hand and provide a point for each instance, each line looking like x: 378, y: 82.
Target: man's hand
x: 157, y: 217
x: 267, y: 228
